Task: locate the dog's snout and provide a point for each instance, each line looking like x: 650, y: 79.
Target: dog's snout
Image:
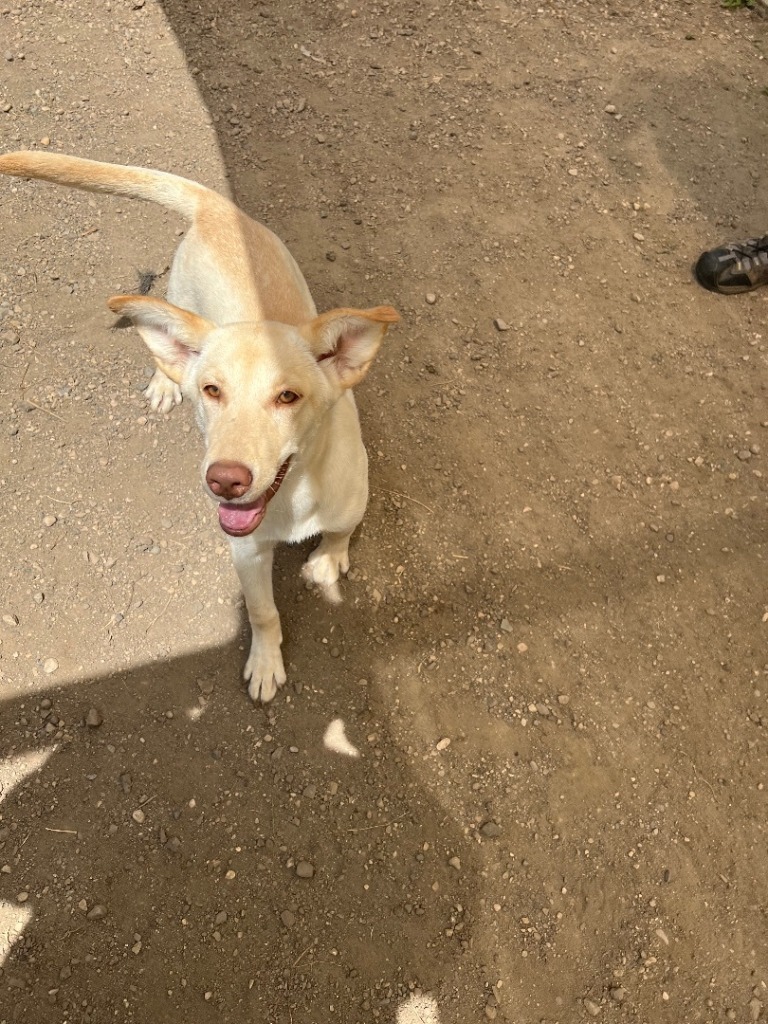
x: 228, y: 480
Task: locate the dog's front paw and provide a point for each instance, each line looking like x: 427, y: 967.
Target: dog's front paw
x: 323, y: 568
x: 265, y: 672
x: 162, y: 394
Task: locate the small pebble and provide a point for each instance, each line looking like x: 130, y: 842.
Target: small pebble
x: 638, y: 236
x: 94, y: 718
x: 443, y: 743
x: 97, y: 912
x: 49, y: 666
x: 609, y: 108
x: 49, y: 520
x: 500, y: 325
x: 431, y: 298
x: 454, y: 862
x: 288, y: 919
x: 490, y: 829
x: 139, y: 816
x: 304, y: 869
x: 22, y: 897
x: 11, y: 620
x: 618, y: 995
x: 592, y: 1008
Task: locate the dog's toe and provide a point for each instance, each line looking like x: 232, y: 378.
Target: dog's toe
x: 262, y: 690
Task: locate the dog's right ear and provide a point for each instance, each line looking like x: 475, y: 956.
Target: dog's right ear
x: 171, y: 334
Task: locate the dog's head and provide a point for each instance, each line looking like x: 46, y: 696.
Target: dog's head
x: 260, y: 390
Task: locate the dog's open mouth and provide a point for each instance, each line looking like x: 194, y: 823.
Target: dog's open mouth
x: 240, y: 520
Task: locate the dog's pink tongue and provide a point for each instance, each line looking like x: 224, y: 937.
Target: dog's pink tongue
x: 241, y: 518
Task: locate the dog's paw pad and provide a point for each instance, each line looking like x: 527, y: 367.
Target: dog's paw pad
x: 162, y: 394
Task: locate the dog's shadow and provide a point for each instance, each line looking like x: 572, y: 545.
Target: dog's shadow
x: 215, y: 856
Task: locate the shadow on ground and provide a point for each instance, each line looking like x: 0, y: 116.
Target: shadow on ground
x: 162, y: 845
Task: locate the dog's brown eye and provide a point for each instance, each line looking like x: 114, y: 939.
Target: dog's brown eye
x: 287, y: 397
x: 212, y: 390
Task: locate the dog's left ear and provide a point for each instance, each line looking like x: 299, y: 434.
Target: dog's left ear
x: 345, y: 341
x: 173, y: 335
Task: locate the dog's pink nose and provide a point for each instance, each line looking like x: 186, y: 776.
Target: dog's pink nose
x: 228, y: 480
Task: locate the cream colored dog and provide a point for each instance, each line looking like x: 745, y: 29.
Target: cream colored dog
x: 269, y: 379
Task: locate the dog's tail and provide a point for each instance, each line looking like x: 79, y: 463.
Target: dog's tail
x: 168, y: 190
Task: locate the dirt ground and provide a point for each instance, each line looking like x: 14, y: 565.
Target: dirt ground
x: 551, y: 654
